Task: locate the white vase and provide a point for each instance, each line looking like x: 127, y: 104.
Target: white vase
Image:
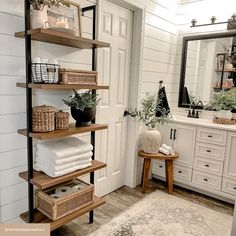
x: 151, y: 139
x: 225, y: 114
x: 39, y: 19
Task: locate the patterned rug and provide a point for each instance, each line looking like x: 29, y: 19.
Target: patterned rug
x: 161, y: 214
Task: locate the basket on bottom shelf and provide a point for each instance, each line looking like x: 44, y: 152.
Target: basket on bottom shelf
x: 58, y: 202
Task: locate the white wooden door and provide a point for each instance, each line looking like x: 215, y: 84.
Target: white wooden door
x: 114, y: 65
x: 230, y: 160
x: 184, y: 144
x: 167, y: 132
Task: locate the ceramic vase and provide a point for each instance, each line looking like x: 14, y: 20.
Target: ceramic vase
x: 151, y: 139
x: 225, y: 114
x: 39, y: 19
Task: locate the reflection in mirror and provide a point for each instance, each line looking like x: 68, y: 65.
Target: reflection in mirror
x: 210, y: 67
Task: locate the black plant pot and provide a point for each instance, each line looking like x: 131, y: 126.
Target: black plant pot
x: 83, y: 118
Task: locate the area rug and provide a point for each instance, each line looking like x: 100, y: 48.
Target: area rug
x: 162, y: 214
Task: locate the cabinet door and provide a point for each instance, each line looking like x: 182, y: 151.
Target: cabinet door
x: 230, y: 161
x: 167, y: 132
x: 184, y: 143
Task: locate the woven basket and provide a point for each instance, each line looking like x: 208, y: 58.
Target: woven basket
x: 224, y: 121
x: 56, y: 208
x: 43, y: 118
x: 68, y: 76
x: 62, y: 120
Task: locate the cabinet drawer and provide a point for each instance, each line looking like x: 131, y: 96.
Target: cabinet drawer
x: 209, y: 165
x: 211, y: 136
x: 229, y: 186
x: 210, y: 151
x: 158, y: 168
x: 182, y: 172
x: 206, y: 179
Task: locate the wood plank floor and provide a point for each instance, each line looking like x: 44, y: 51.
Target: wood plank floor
x: 119, y: 200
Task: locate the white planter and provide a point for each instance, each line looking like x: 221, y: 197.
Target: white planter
x: 151, y: 140
x: 39, y: 19
x: 225, y: 114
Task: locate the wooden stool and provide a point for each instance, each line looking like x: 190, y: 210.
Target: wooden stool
x: 168, y: 163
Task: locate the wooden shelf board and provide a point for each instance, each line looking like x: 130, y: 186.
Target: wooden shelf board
x: 62, y: 133
x: 50, y: 36
x: 40, y: 218
x: 43, y: 181
x: 61, y: 86
x: 226, y: 71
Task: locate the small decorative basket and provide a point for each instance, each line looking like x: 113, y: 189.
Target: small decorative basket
x: 62, y: 120
x: 45, y: 73
x: 43, y: 118
x: 56, y: 206
x: 224, y: 121
x: 68, y: 76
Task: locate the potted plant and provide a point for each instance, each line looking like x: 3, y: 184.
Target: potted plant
x: 83, y: 107
x: 147, y: 114
x: 224, y: 102
x: 39, y: 11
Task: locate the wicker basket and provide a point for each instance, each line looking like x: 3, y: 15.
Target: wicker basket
x: 45, y: 73
x: 62, y: 120
x: 56, y: 208
x: 67, y: 76
x: 224, y: 121
x: 43, y: 119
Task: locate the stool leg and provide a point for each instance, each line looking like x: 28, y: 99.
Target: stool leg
x: 146, y: 167
x: 169, y: 175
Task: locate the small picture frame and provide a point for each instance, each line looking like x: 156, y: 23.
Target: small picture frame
x: 65, y: 19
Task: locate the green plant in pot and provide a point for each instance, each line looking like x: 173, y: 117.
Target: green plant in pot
x: 147, y: 115
x: 39, y: 11
x: 83, y: 107
x: 224, y: 102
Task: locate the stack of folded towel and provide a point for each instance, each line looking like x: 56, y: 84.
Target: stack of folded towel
x: 167, y: 150
x: 60, y: 157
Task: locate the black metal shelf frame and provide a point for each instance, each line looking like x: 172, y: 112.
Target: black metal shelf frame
x: 29, y: 105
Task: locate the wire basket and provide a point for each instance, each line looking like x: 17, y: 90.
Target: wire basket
x: 45, y: 73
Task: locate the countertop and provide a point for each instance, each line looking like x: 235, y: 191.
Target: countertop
x: 202, y: 122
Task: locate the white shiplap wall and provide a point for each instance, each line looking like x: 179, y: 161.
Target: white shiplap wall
x: 13, y: 190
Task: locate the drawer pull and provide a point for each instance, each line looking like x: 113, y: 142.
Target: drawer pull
x: 161, y: 166
x: 207, y: 165
x: 209, y: 136
x: 205, y: 179
x: 180, y: 171
x: 208, y: 150
x: 234, y: 188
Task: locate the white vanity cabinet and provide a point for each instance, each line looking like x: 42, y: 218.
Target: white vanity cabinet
x: 207, y: 156
x: 182, y: 139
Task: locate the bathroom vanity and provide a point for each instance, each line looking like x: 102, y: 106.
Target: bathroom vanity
x: 207, y: 156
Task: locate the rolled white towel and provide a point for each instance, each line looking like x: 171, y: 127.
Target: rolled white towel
x: 164, y: 151
x: 166, y: 147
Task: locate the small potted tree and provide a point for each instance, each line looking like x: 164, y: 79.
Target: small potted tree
x: 147, y: 114
x: 39, y: 11
x: 83, y: 107
x: 224, y: 103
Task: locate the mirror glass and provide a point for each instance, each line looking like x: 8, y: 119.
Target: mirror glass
x: 210, y: 67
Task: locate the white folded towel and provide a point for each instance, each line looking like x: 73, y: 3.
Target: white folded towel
x: 166, y: 147
x: 51, y: 173
x: 55, y: 168
x: 64, y: 147
x: 65, y: 160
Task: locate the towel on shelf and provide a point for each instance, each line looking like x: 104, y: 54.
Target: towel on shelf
x: 64, y: 147
x: 52, y: 173
x: 167, y: 150
x: 55, y: 168
x: 65, y: 160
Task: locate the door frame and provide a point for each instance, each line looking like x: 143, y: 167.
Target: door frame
x: 139, y: 9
